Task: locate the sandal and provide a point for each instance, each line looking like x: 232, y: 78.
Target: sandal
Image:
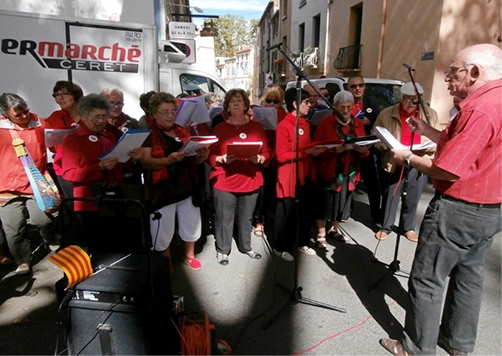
x: 337, y: 236
x: 258, y: 230
x: 253, y: 254
x: 321, y: 241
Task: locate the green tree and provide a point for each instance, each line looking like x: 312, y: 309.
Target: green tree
x: 233, y: 31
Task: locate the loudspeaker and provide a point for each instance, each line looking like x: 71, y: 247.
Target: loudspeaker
x: 124, y: 308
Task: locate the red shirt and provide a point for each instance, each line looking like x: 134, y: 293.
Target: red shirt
x: 470, y: 148
x: 286, y: 156
x: 240, y: 176
x: 326, y: 162
x: 405, y: 131
x: 58, y: 119
x: 80, y: 163
x: 13, y: 178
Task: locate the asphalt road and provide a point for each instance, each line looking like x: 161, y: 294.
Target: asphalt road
x: 244, y: 299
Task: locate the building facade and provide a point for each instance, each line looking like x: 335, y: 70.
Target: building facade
x: 373, y: 38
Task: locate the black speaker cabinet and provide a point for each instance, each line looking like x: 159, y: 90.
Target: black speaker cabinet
x: 124, y: 308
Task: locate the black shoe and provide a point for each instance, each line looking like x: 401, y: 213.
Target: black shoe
x: 442, y: 343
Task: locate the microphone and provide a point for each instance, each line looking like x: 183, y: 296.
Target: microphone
x: 408, y: 66
x: 275, y: 46
x: 156, y: 216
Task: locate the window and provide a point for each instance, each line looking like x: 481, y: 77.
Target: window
x: 301, y: 37
x: 316, y: 31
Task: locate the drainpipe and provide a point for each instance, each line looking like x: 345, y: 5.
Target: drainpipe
x: 382, y: 38
x: 327, y: 43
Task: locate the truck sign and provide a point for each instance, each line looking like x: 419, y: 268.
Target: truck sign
x: 36, y: 51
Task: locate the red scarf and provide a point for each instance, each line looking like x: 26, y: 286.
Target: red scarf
x: 160, y: 147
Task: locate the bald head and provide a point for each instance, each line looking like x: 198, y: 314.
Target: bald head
x: 312, y: 92
x: 473, y: 67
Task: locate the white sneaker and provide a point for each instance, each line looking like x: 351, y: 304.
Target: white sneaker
x: 307, y: 250
x: 286, y: 256
x: 23, y: 268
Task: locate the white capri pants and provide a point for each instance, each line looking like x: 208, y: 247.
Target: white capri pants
x: 189, y: 224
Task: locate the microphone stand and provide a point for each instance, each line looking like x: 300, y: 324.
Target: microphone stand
x: 394, y: 266
x: 296, y: 294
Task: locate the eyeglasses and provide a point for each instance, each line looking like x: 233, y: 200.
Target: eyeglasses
x: 98, y: 117
x: 167, y: 113
x: 65, y: 94
x: 413, y: 101
x: 308, y: 102
x: 454, y: 70
x: 275, y: 101
x: 353, y: 86
x: 116, y: 103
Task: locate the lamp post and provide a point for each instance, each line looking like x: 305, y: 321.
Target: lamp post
x: 186, y: 14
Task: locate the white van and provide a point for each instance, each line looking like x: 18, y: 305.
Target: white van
x: 386, y: 92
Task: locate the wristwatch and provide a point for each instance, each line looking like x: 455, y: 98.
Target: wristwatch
x: 407, y: 159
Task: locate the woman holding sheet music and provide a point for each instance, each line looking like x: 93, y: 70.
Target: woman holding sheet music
x: 171, y: 180
x: 66, y: 94
x: 81, y: 166
x: 286, y: 217
x: 236, y: 178
x: 273, y: 98
x: 337, y: 168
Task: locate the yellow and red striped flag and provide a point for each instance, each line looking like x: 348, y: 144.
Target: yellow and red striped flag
x: 75, y: 263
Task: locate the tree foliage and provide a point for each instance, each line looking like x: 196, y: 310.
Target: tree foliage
x: 233, y: 31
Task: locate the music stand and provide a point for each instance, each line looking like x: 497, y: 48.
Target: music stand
x: 296, y: 294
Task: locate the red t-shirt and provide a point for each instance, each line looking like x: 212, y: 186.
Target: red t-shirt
x: 405, y: 131
x: 470, y: 148
x: 240, y: 176
x: 286, y: 155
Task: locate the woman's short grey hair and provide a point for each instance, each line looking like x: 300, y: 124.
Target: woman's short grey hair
x: 11, y: 101
x: 209, y: 98
x: 90, y: 102
x: 343, y: 96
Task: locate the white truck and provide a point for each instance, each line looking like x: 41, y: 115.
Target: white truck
x: 38, y: 50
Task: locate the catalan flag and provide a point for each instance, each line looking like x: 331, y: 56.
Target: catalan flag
x: 75, y: 263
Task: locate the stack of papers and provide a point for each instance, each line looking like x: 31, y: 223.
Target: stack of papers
x: 244, y: 149
x: 267, y: 116
x: 129, y: 140
x: 393, y: 143
x: 55, y: 137
x: 195, y: 143
x: 194, y: 109
x: 361, y: 141
x: 318, y: 115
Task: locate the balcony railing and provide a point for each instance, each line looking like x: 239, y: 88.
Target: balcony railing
x: 348, y: 58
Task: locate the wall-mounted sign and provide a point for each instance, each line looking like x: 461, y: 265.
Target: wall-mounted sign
x: 181, y: 30
x: 427, y: 56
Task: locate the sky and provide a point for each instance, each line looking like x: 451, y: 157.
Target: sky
x: 249, y: 9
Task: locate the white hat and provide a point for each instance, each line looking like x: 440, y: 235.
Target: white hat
x: 407, y: 89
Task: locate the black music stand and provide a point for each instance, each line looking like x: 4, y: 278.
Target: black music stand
x: 296, y: 294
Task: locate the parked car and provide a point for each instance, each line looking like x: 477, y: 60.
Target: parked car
x: 384, y: 91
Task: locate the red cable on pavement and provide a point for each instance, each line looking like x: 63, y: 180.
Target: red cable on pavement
x: 344, y: 331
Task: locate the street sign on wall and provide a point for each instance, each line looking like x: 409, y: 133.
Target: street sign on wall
x: 181, y: 29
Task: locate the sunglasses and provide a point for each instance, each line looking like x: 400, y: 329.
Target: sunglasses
x: 353, y: 86
x: 413, y: 101
x: 275, y: 101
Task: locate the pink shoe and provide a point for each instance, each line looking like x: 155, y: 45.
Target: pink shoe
x: 194, y: 263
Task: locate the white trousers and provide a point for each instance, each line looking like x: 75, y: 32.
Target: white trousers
x: 189, y: 224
